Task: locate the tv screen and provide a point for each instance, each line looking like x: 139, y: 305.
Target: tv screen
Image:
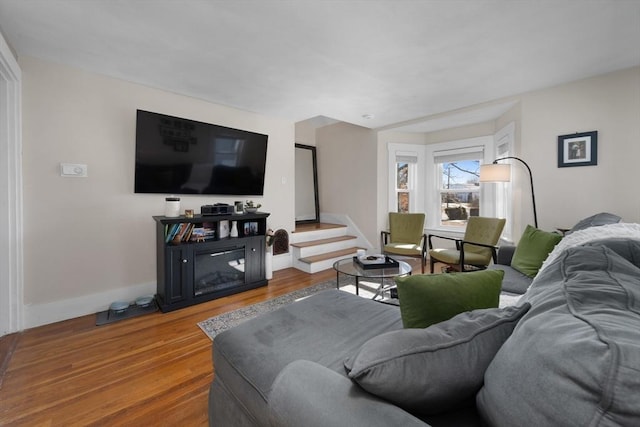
x: 180, y: 156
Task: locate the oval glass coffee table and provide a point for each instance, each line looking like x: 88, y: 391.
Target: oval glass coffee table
x: 351, y: 268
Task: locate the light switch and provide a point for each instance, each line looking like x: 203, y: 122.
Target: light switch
x: 73, y: 169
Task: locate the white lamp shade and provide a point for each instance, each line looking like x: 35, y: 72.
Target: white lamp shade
x: 495, y: 173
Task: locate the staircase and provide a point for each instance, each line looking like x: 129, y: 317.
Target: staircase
x: 315, y: 247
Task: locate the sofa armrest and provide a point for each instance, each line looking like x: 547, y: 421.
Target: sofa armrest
x: 505, y: 254
x: 308, y: 394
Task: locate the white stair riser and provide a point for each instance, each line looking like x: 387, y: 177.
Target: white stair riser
x: 322, y: 249
x: 317, y: 234
x: 316, y: 266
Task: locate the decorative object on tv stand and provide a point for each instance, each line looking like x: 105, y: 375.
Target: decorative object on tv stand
x: 172, y: 207
x: 223, y: 229
x: 268, y: 260
x: 239, y: 207
x: 251, y: 207
x: 234, y: 229
x: 496, y: 172
x: 578, y: 149
x: 217, y: 209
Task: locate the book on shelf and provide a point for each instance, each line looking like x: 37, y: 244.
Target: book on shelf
x: 179, y: 232
x: 209, y: 230
x: 177, y: 238
x: 197, y: 234
x: 171, y: 232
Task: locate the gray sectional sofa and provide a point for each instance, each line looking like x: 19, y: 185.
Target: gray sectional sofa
x: 568, y: 354
x: 514, y: 282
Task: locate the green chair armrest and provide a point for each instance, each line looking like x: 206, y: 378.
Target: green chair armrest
x: 445, y: 238
x: 494, y: 250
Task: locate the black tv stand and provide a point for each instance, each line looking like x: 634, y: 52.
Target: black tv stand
x: 195, y: 264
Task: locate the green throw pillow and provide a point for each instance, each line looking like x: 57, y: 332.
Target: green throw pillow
x: 426, y: 299
x: 533, y: 248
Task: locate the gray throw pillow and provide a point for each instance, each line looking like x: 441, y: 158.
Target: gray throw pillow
x: 434, y: 369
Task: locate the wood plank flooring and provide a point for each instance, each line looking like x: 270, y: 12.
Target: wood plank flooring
x: 152, y: 370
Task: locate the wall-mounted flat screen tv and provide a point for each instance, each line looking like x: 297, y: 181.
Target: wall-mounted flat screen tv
x: 181, y: 156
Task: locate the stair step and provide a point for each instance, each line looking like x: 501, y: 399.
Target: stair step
x: 329, y: 255
x: 308, y: 232
x: 318, y: 242
x: 303, y: 228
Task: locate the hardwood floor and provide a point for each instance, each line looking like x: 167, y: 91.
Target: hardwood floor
x: 153, y: 370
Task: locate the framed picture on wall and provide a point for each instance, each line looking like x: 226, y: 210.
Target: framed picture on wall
x: 578, y: 149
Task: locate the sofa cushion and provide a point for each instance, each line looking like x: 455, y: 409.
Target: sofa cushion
x: 426, y: 299
x: 324, y: 328
x: 574, y: 357
x: 434, y: 369
x: 513, y: 281
x: 533, y: 248
x: 596, y: 220
x: 306, y: 394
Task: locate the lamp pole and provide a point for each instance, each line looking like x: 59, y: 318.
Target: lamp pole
x: 533, y: 195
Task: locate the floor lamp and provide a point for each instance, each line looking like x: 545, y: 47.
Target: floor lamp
x: 496, y: 172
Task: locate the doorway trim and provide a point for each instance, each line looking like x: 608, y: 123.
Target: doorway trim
x: 11, y: 201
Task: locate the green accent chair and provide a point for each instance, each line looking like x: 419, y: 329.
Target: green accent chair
x: 406, y: 236
x: 475, y: 249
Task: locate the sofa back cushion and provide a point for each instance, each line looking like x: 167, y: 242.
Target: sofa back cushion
x: 574, y: 358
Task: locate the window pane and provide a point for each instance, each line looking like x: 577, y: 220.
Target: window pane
x: 460, y: 192
x: 460, y: 175
x: 402, y: 180
x: 458, y: 206
x: 403, y: 202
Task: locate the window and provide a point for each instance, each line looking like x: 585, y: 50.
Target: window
x: 459, y: 191
x: 405, y: 189
x: 405, y: 177
x: 458, y: 187
x: 442, y: 180
x: 402, y: 186
x: 453, y: 194
x: 503, y: 205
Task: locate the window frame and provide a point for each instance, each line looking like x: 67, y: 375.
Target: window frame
x: 426, y: 183
x: 433, y: 206
x: 416, y: 175
x: 441, y: 190
x: 503, y: 191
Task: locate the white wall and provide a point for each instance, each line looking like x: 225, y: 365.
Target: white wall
x: 90, y: 241
x: 609, y: 104
x: 306, y: 132
x: 348, y: 175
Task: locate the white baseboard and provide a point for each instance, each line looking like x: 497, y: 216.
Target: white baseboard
x: 56, y: 311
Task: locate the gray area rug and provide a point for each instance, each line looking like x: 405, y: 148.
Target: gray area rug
x: 214, y: 325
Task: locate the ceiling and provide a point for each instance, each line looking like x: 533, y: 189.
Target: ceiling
x: 374, y: 63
